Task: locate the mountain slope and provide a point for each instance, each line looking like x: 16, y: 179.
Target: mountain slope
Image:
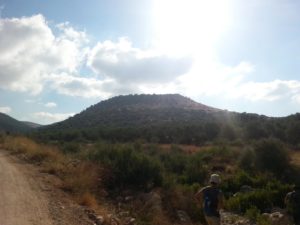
x: 169, y: 118
x: 137, y: 110
x: 31, y: 124
x: 164, y: 118
x: 9, y: 124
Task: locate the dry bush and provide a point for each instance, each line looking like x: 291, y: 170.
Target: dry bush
x: 160, y: 219
x: 80, y: 178
x: 55, y: 167
x: 31, y: 149
x: 87, y: 199
x: 19, y: 144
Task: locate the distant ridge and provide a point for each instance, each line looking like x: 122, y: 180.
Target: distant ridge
x: 9, y: 124
x: 31, y: 124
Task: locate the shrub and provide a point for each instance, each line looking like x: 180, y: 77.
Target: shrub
x: 80, y: 178
x: 70, y: 148
x: 129, y: 167
x: 252, y: 213
x: 271, y: 156
x: 247, y: 159
x: 261, y: 199
x: 195, y: 172
x: 270, y: 194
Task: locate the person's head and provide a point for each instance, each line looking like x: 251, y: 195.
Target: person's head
x: 214, y: 179
x: 297, y: 187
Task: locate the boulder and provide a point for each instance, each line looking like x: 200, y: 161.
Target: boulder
x: 279, y: 218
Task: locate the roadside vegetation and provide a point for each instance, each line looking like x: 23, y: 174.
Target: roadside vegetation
x: 154, y: 182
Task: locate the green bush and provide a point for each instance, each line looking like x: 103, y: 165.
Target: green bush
x: 70, y: 148
x: 247, y: 159
x: 270, y: 194
x: 261, y: 199
x: 195, y: 172
x: 128, y: 167
x: 271, y: 156
x: 252, y: 213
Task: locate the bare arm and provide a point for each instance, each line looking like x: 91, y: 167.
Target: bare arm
x: 199, y: 197
x: 221, y: 201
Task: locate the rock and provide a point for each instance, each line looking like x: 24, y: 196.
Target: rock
x: 128, y: 198
x: 124, y: 214
x: 113, y: 220
x: 130, y: 221
x: 278, y: 218
x: 99, y: 220
x: 183, y: 217
x: 246, y: 189
x: 228, y: 218
x: 153, y: 202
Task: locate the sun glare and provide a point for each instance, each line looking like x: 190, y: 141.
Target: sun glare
x: 189, y: 26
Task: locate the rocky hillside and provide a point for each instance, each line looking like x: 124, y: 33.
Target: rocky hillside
x: 136, y: 110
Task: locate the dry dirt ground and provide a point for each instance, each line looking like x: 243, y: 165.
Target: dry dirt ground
x: 30, y: 197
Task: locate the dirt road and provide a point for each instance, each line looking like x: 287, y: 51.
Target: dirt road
x: 24, y: 202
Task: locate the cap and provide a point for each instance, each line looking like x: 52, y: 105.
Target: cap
x: 215, y: 178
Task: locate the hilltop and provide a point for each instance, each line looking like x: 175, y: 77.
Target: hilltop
x: 136, y: 110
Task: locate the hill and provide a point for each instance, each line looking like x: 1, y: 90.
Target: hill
x: 136, y: 110
x: 9, y: 124
x: 170, y: 118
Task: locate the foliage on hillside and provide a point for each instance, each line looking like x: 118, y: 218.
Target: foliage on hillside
x: 168, y: 119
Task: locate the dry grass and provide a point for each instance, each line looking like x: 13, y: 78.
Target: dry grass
x: 79, y: 178
x: 160, y: 219
x: 33, y: 151
x: 87, y: 199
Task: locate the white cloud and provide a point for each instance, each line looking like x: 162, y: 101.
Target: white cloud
x: 210, y: 78
x: 29, y: 52
x: 228, y: 82
x: 30, y: 101
x: 124, y: 63
x: 79, y: 86
x: 268, y: 91
x: 47, y: 118
x: 50, y: 104
x: 5, y: 109
x: 33, y: 56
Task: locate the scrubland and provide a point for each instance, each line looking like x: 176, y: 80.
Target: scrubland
x: 153, y: 183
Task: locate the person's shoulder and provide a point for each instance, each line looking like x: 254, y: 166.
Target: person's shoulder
x: 205, y: 188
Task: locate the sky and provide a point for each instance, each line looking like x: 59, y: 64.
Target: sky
x: 58, y: 57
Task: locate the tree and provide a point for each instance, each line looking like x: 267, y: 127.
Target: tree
x: 271, y: 156
x: 293, y: 133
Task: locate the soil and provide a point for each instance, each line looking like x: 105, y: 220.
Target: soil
x: 30, y: 197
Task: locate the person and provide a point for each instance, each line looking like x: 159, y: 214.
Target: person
x: 292, y: 202
x: 212, y: 200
